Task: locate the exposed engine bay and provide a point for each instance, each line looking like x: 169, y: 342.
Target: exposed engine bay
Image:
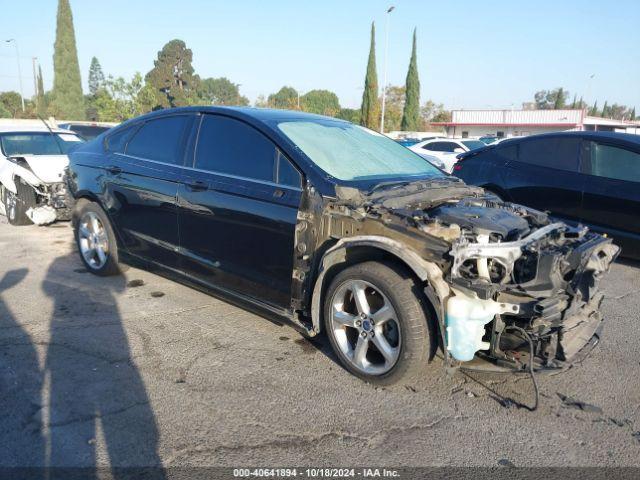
x: 503, y: 279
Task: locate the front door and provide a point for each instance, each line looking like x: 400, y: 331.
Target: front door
x: 142, y: 188
x: 238, y: 207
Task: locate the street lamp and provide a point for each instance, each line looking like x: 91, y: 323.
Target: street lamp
x: 384, y: 84
x: 15, y: 44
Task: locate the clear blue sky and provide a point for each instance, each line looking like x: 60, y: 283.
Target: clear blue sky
x: 471, y: 53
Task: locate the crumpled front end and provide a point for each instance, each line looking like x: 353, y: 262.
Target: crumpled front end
x: 529, y: 277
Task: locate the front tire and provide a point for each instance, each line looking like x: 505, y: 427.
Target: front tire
x: 95, y: 239
x: 376, y: 321
x: 17, y: 204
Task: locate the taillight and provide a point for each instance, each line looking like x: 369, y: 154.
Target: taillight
x: 457, y: 166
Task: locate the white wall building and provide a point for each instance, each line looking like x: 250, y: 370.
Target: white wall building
x: 517, y: 123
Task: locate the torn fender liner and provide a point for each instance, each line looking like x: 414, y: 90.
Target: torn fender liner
x: 42, y: 215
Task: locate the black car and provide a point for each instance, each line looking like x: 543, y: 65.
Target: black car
x: 339, y: 229
x: 590, y: 178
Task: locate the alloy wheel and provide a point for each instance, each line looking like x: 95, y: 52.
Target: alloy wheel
x: 365, y: 327
x: 93, y: 240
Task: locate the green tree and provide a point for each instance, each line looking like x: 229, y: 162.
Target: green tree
x: 286, y: 97
x: 172, y: 77
x: 41, y: 105
x: 551, y: 99
x: 220, y: 91
x: 4, y: 113
x: 370, y: 111
x: 433, y: 112
x: 632, y: 114
x: 66, y: 97
x: 411, y: 112
x: 574, y: 104
x: 350, y: 114
x: 594, y: 110
x: 11, y: 103
x: 322, y: 102
x: 394, y: 106
x: 605, y: 110
x: 96, y: 77
x: 560, y: 100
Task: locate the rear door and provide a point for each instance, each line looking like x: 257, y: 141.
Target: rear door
x: 611, y: 202
x: 238, y: 211
x: 142, y: 186
x: 546, y: 175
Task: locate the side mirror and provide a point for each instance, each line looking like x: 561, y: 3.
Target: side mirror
x: 458, y: 150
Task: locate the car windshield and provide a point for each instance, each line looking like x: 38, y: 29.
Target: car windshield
x: 353, y: 153
x: 473, y: 144
x: 38, y: 143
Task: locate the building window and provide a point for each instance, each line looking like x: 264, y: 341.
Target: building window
x: 500, y: 135
x: 465, y: 134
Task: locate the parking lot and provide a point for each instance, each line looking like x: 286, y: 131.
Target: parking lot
x: 139, y: 370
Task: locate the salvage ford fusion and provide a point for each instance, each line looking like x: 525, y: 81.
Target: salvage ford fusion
x: 340, y: 230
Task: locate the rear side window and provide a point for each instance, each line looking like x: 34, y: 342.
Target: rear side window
x: 614, y: 162
x: 160, y: 140
x: 229, y: 146
x: 507, y: 152
x: 117, y: 141
x: 441, y: 146
x: 559, y: 153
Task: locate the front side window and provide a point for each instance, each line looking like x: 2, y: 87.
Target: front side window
x: 38, y: 143
x: 230, y: 146
x: 559, y: 153
x: 160, y: 139
x: 286, y: 173
x: 353, y: 153
x: 614, y: 162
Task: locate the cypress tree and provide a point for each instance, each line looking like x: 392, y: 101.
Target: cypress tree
x: 67, y: 100
x: 172, y: 77
x: 573, y: 104
x: 40, y: 103
x: 581, y: 104
x: 411, y: 112
x: 633, y: 114
x: 370, y: 111
x: 605, y: 110
x: 559, y: 103
x: 96, y: 77
x: 594, y: 109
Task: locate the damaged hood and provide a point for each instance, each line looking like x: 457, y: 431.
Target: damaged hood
x: 48, y: 168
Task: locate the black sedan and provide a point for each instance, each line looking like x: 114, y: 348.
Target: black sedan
x: 590, y: 178
x: 340, y: 230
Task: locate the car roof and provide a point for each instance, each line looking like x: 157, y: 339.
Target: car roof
x: 260, y: 114
x: 627, y: 137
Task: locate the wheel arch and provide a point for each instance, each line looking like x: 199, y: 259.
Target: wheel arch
x: 353, y: 250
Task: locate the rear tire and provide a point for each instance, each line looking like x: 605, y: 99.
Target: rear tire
x: 17, y: 204
x: 397, y: 323
x: 95, y: 239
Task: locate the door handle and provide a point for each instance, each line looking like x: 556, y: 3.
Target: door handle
x: 277, y: 193
x: 196, y: 185
x: 114, y: 170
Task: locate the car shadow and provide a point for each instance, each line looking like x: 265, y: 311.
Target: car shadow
x: 21, y: 441
x: 99, y: 413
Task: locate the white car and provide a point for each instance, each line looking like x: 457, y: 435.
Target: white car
x: 446, y: 149
x: 32, y: 164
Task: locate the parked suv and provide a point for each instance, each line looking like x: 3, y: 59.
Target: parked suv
x: 340, y: 230
x: 590, y: 178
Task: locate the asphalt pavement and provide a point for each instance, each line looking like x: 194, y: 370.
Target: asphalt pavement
x: 137, y: 370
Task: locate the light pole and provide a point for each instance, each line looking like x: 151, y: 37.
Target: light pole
x: 384, y: 84
x: 15, y: 44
